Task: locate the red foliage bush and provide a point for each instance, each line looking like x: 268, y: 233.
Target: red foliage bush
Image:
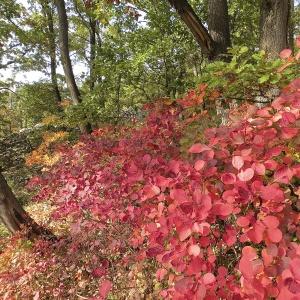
x: 223, y: 224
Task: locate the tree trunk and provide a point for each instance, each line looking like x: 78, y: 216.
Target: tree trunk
x: 48, y: 13
x: 291, y: 24
x: 274, y: 19
x: 118, y: 94
x: 93, y: 24
x: 65, y: 58
x: 215, y: 41
x: 192, y: 21
x: 14, y: 217
x: 218, y: 26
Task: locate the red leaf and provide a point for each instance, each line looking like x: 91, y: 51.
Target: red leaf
x: 150, y: 191
x: 285, y: 54
x: 201, y: 292
x: 243, y: 221
x: 250, y: 268
x: 154, y: 251
x: 295, y: 268
x: 237, y: 162
x: 256, y: 233
x: 222, y: 209
x: 184, y: 233
x: 288, y: 117
x: 245, y: 267
x: 99, y: 272
x: 199, y: 164
x: 259, y: 168
x: 267, y: 257
x: 271, y: 164
x: 206, y: 203
x: 272, y: 193
x: 105, y: 288
x: 283, y: 175
x: 228, y: 178
x: 208, y: 278
x: 174, y: 166
x: 271, y: 221
x: 249, y: 252
x: 162, y: 181
x: 229, y: 237
x: 202, y: 228
x: 274, y: 234
x: 195, y: 266
x: 194, y: 250
x: 246, y: 175
x: 289, y: 132
x: 198, y: 148
x: 184, y: 285
x: 179, y: 195
x: 275, y: 151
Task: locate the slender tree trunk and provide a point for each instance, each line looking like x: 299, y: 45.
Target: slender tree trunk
x: 48, y: 13
x: 64, y: 51
x: 274, y: 19
x: 65, y: 58
x: 192, y: 21
x: 291, y: 24
x: 93, y: 24
x: 218, y: 26
x: 14, y: 217
x: 118, y: 94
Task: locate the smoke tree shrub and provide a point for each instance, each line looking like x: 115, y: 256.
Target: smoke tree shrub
x: 221, y: 223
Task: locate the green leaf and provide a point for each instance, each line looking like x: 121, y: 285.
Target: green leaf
x: 264, y: 78
x: 243, y: 49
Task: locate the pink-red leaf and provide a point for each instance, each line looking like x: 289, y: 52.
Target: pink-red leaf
x: 194, y: 250
x: 243, y: 221
x: 184, y: 285
x: 289, y: 132
x: 285, y: 54
x: 249, y: 252
x: 228, y: 178
x: 274, y: 234
x: 105, y: 288
x: 222, y: 209
x: 237, y: 162
x: 198, y: 148
x: 199, y: 165
x: 184, y: 233
x: 271, y: 221
x: 246, y: 175
x: 295, y: 268
x: 208, y: 278
x: 283, y: 175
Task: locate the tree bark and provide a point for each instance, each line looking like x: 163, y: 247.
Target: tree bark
x: 65, y: 58
x: 14, y: 217
x: 192, y: 21
x: 93, y: 24
x: 214, y: 41
x: 218, y: 26
x: 291, y: 24
x: 118, y: 94
x: 274, y: 19
x: 48, y: 13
